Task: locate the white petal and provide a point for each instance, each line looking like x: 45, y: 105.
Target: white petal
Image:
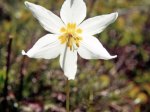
x: 97, y: 24
x: 68, y: 62
x: 47, y: 19
x: 91, y: 48
x: 47, y: 47
x: 73, y: 11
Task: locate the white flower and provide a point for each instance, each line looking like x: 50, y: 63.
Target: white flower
x: 69, y: 35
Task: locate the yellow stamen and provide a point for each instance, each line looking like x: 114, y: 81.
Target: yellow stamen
x: 62, y: 30
x: 79, y: 31
x: 70, y: 36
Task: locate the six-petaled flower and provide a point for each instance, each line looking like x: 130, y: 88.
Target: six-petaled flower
x: 69, y: 35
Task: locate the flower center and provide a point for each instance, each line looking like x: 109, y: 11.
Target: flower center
x: 71, y: 36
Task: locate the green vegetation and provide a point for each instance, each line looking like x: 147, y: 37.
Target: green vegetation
x: 119, y: 85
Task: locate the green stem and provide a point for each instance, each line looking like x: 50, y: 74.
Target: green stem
x: 67, y: 95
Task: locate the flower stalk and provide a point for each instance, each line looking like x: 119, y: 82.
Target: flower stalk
x: 67, y: 94
x: 67, y: 81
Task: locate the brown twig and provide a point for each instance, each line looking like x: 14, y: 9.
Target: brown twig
x: 21, y: 77
x: 5, y: 89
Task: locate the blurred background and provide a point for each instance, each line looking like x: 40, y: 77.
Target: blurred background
x: 118, y: 85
